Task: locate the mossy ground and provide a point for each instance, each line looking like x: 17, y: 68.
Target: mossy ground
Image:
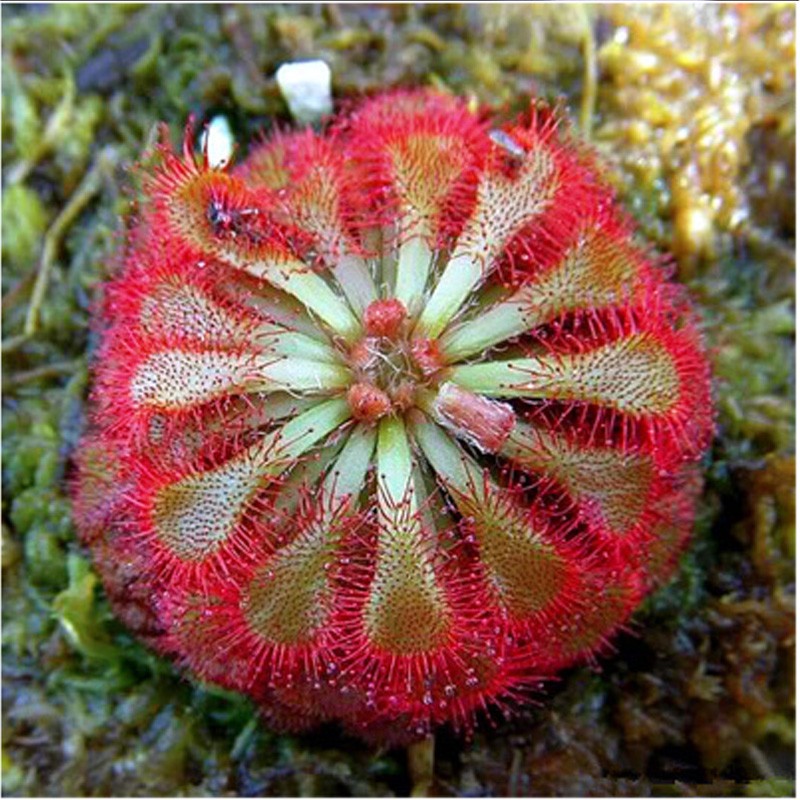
x: 698, y: 697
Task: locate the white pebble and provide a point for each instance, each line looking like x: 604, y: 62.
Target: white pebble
x: 306, y: 87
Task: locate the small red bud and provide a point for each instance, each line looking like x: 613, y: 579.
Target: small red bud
x: 384, y: 317
x: 367, y: 402
x: 427, y: 355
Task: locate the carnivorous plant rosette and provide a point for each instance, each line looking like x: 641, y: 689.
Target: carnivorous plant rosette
x: 390, y: 423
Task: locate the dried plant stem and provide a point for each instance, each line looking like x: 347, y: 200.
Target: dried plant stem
x: 589, y: 96
x: 40, y: 373
x: 420, y: 766
x: 87, y: 189
x: 759, y: 761
x: 56, y: 125
x: 19, y: 288
x: 515, y: 773
x: 12, y: 343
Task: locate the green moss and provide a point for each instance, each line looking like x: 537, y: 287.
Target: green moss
x: 773, y: 787
x: 77, y: 612
x: 698, y: 692
x: 25, y: 126
x: 24, y: 224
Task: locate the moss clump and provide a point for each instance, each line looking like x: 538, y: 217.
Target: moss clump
x: 700, y: 691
